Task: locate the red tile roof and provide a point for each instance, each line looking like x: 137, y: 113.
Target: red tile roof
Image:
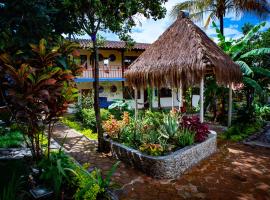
x: 86, y: 43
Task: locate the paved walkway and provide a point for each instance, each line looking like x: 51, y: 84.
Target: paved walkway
x: 236, y: 171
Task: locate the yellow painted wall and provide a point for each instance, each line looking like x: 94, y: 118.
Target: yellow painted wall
x: 107, y: 52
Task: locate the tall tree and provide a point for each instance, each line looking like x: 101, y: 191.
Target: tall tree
x: 217, y: 9
x: 28, y: 21
x: 117, y: 16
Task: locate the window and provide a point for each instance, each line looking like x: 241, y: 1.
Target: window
x: 129, y: 59
x: 112, y: 57
x: 129, y: 93
x: 83, y: 59
x: 113, y: 88
x: 164, y: 92
x: 101, y: 89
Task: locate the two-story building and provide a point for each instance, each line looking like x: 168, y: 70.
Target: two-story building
x: 114, y: 59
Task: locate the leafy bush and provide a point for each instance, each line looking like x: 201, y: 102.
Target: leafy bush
x: 185, y: 138
x: 119, y: 107
x: 240, y: 131
x: 10, y: 139
x: 55, y: 170
x: 193, y: 124
x: 152, y: 149
x: 263, y: 112
x: 93, y: 186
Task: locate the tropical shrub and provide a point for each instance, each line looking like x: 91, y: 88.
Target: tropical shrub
x: 10, y: 139
x: 193, y: 124
x: 118, y: 107
x: 87, y: 117
x: 185, y: 137
x: 240, y: 131
x: 38, y: 89
x: 156, y: 133
x: 56, y: 170
x: 152, y: 149
x: 92, y: 186
x: 263, y: 112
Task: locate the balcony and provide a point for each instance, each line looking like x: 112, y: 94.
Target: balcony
x: 106, y: 73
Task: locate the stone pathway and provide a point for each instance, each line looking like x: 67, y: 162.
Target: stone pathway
x: 236, y: 171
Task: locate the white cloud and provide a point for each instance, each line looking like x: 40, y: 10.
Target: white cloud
x: 149, y: 30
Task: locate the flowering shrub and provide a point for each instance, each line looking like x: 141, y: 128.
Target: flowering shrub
x: 193, y: 123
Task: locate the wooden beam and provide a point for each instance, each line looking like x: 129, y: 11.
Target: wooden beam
x: 172, y: 98
x: 136, y: 103
x: 230, y: 106
x: 180, y: 96
x: 202, y: 99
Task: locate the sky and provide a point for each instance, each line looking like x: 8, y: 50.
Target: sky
x: 148, y: 30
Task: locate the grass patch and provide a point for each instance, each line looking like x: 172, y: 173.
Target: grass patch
x: 78, y: 127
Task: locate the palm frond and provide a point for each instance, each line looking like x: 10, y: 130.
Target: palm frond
x: 244, y: 67
x: 239, y: 46
x: 261, y: 71
x: 256, y: 52
x: 252, y: 83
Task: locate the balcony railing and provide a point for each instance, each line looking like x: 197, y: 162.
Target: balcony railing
x: 104, y: 72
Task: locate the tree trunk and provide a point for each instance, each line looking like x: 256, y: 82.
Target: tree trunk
x: 96, y: 96
x: 221, y: 21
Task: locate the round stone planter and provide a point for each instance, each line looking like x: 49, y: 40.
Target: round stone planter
x: 164, y: 167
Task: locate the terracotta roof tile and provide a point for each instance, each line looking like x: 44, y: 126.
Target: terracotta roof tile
x: 86, y: 43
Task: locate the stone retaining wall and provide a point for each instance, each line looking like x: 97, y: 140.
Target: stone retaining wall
x: 164, y: 167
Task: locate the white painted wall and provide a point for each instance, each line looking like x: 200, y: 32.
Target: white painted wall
x: 195, y: 100
x: 166, y: 101
x: 112, y: 96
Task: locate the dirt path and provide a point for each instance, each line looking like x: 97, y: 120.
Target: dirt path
x: 236, y: 171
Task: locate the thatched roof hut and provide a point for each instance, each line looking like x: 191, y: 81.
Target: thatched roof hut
x: 183, y: 53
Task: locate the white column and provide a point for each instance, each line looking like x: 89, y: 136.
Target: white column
x: 172, y: 98
x: 201, y: 99
x: 80, y: 98
x: 180, y: 96
x: 136, y: 103
x: 230, y: 106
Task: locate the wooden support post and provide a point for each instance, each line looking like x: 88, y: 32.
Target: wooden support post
x: 136, y: 103
x: 180, y: 96
x: 172, y: 98
x: 230, y: 106
x: 202, y: 100
x: 80, y: 98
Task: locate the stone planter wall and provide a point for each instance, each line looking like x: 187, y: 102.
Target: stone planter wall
x: 164, y: 167
x: 14, y: 153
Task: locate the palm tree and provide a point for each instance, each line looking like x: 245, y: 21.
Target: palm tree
x: 217, y: 9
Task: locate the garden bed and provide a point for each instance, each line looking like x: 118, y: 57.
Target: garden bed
x: 164, y: 167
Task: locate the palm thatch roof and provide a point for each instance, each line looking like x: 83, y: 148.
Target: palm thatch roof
x: 183, y: 53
